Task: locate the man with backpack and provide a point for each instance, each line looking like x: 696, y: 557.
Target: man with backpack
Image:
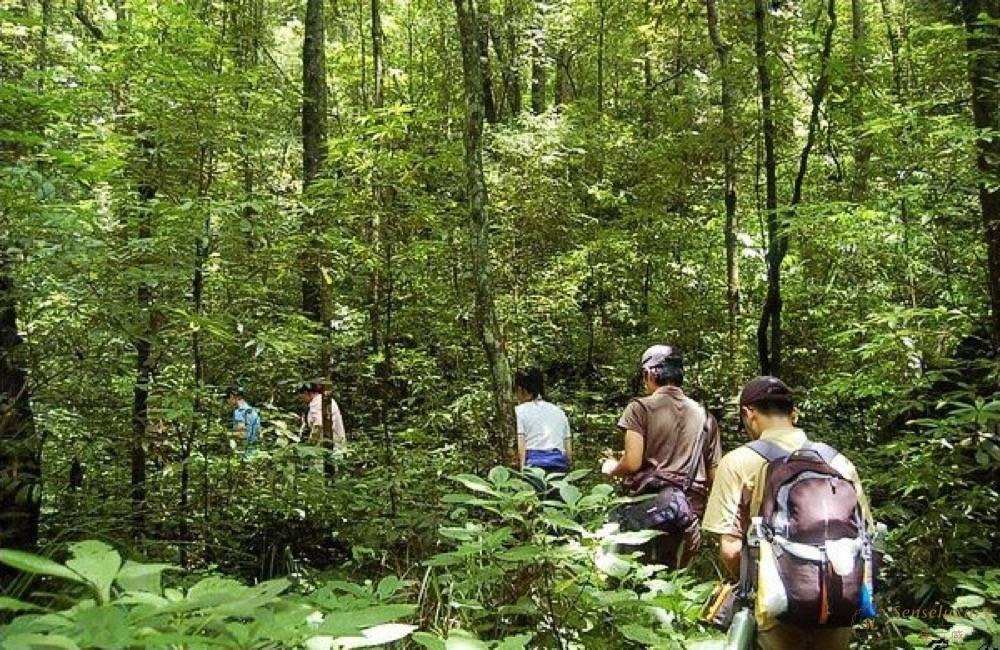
x: 671, y: 450
x: 792, y: 521
x: 246, y: 419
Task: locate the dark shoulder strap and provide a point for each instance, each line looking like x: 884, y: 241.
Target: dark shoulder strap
x: 698, y: 449
x: 768, y: 450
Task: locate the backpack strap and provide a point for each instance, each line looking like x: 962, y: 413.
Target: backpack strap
x: 768, y: 450
x: 825, y: 451
x: 699, y: 447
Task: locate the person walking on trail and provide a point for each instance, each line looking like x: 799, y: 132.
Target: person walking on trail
x: 543, y: 434
x: 313, y: 397
x: 246, y: 420
x: 671, y: 450
x: 791, y: 517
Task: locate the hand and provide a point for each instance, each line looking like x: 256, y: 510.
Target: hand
x: 608, y: 466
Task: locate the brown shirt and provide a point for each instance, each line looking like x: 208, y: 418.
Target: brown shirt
x: 669, y: 423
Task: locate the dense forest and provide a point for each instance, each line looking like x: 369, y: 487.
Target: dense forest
x: 409, y: 200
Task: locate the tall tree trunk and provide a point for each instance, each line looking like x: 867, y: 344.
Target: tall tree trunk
x: 20, y: 447
x: 378, y: 66
x: 475, y: 182
x: 859, y: 63
x: 505, y: 47
x: 146, y: 190
x: 777, y: 237
x: 771, y: 316
x: 893, y: 37
x: 565, y: 89
x: 602, y: 10
x: 314, y: 93
x: 20, y: 444
x: 490, y: 109
x: 538, y: 69
x: 982, y: 24
x: 722, y: 52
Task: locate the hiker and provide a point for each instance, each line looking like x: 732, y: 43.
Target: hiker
x: 782, y: 497
x: 312, y: 397
x: 246, y: 419
x: 543, y: 436
x: 671, y: 450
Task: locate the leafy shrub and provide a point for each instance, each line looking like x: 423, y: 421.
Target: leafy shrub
x: 112, y: 605
x: 542, y: 570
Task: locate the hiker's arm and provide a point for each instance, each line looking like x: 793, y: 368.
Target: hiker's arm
x: 239, y: 425
x: 730, y: 549
x: 631, y: 460
x: 568, y: 444
x: 522, y: 450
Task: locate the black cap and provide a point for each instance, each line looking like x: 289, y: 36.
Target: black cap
x: 766, y: 389
x: 234, y: 391
x: 658, y: 356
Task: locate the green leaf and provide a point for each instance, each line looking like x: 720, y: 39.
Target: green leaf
x: 103, y: 627
x: 475, y: 484
x: 569, y: 493
x: 37, y: 565
x: 969, y: 600
x: 378, y: 635
x: 640, y: 634
x: 135, y: 576
x: 519, y: 642
x: 39, y: 642
x: 15, y: 605
x: 98, y: 563
x: 367, y: 617
x: 429, y: 641
x: 499, y: 475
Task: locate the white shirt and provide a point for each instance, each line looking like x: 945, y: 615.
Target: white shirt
x: 314, y: 419
x: 543, y: 425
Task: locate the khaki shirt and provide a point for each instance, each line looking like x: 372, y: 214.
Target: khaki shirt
x: 737, y: 490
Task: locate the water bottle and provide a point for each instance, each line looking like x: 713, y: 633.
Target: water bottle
x: 741, y: 631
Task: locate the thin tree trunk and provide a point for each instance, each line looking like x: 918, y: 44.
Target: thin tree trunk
x: 859, y: 63
x: 602, y: 8
x: 505, y: 47
x: 143, y: 344
x: 981, y: 18
x: 490, y: 109
x: 777, y: 237
x: 771, y: 316
x: 565, y: 89
x: 377, y: 62
x: 893, y: 37
x: 486, y: 319
x: 722, y: 52
x: 538, y: 72
x: 314, y: 93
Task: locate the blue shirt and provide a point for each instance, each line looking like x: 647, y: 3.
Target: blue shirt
x: 249, y: 418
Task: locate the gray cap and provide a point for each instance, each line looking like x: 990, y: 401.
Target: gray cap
x: 660, y: 355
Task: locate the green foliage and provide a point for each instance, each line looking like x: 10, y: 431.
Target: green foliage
x: 124, y: 605
x: 521, y: 562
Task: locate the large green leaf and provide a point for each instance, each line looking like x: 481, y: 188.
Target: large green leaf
x: 37, y: 565
x: 135, y: 576
x: 103, y: 627
x: 98, y: 563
